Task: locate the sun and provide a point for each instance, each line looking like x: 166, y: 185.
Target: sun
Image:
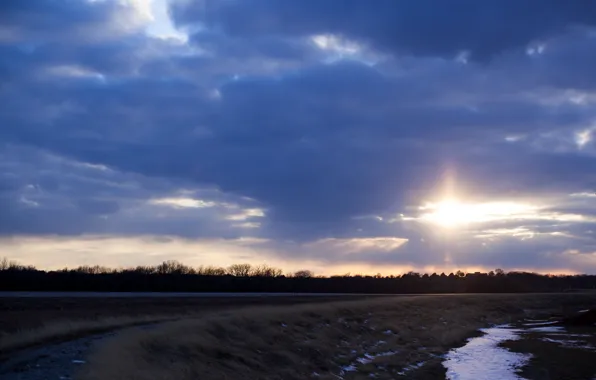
x: 447, y: 213
x: 452, y: 213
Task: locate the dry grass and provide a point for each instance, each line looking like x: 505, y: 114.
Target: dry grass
x: 27, y: 322
x: 65, y: 330
x: 316, y: 341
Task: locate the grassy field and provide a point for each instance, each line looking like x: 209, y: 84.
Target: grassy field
x: 26, y: 322
x: 383, y: 338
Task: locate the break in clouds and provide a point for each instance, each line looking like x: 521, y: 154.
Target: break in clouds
x: 335, y: 135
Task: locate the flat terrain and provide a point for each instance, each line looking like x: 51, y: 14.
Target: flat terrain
x: 264, y: 337
x: 26, y: 313
x: 383, y: 338
x: 169, y: 295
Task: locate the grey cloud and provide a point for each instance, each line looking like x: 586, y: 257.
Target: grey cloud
x: 249, y: 109
x: 428, y: 27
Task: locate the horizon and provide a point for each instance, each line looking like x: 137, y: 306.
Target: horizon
x: 338, y: 136
x: 253, y: 270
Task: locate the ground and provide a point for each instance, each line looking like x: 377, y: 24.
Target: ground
x: 383, y: 338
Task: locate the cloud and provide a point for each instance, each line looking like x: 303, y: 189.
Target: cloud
x: 306, y: 124
x: 428, y: 27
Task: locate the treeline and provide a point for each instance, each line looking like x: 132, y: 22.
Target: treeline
x: 172, y: 276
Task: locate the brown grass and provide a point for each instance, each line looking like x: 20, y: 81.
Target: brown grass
x: 26, y: 322
x: 316, y: 341
x: 65, y: 330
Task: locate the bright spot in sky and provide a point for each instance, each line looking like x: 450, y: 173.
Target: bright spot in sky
x: 333, y: 43
x: 452, y: 213
x: 583, y: 137
x: 338, y: 48
x: 182, y: 202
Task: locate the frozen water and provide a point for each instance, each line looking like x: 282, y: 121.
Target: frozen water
x: 482, y: 358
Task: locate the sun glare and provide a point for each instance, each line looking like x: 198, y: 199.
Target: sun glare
x: 451, y: 213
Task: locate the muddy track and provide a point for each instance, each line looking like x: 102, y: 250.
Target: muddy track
x: 59, y: 361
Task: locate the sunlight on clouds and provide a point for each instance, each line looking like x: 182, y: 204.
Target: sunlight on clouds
x: 148, y: 15
x: 246, y: 214
x: 56, y: 252
x: 453, y: 213
x: 160, y: 24
x: 339, y: 48
x: 583, y: 137
x: 519, y: 232
x: 357, y: 245
x: 583, y: 195
x: 247, y: 225
x: 74, y: 71
x: 182, y: 202
x: 335, y: 44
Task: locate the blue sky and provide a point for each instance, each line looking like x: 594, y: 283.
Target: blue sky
x: 339, y: 135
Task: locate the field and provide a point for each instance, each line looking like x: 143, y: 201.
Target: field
x: 30, y: 321
x: 385, y: 338
x: 287, y: 338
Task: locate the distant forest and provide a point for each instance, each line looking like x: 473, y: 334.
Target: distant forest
x: 172, y: 276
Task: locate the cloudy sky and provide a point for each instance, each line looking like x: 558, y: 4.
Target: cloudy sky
x: 338, y: 135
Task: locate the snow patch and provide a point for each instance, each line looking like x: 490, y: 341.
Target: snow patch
x: 365, y: 359
x: 540, y: 324
x: 569, y: 343
x: 482, y: 358
x: 547, y: 329
x: 409, y: 368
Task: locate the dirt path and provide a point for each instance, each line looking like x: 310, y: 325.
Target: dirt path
x: 59, y: 361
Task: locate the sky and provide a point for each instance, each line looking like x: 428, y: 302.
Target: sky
x: 341, y: 136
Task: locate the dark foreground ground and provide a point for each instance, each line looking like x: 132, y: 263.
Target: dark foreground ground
x: 25, y: 313
x: 282, y: 337
x: 386, y: 338
x: 569, y: 353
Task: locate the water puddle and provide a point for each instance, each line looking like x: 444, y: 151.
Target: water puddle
x: 485, y: 357
x: 482, y: 358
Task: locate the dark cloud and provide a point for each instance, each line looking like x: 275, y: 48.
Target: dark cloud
x: 427, y: 27
x: 100, y: 121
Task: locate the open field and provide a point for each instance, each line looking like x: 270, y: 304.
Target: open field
x: 171, y: 295
x: 26, y: 321
x: 384, y: 338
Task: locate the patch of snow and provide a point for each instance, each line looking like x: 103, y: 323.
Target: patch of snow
x: 482, y: 358
x: 547, y: 329
x: 540, y: 323
x: 584, y: 311
x: 411, y: 367
x: 388, y: 332
x: 284, y: 325
x: 366, y: 359
x: 569, y: 343
x: 78, y: 362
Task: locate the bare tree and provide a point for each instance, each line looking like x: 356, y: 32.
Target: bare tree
x: 240, y: 270
x: 303, y: 274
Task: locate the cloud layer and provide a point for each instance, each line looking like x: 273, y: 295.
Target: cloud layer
x: 317, y: 128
